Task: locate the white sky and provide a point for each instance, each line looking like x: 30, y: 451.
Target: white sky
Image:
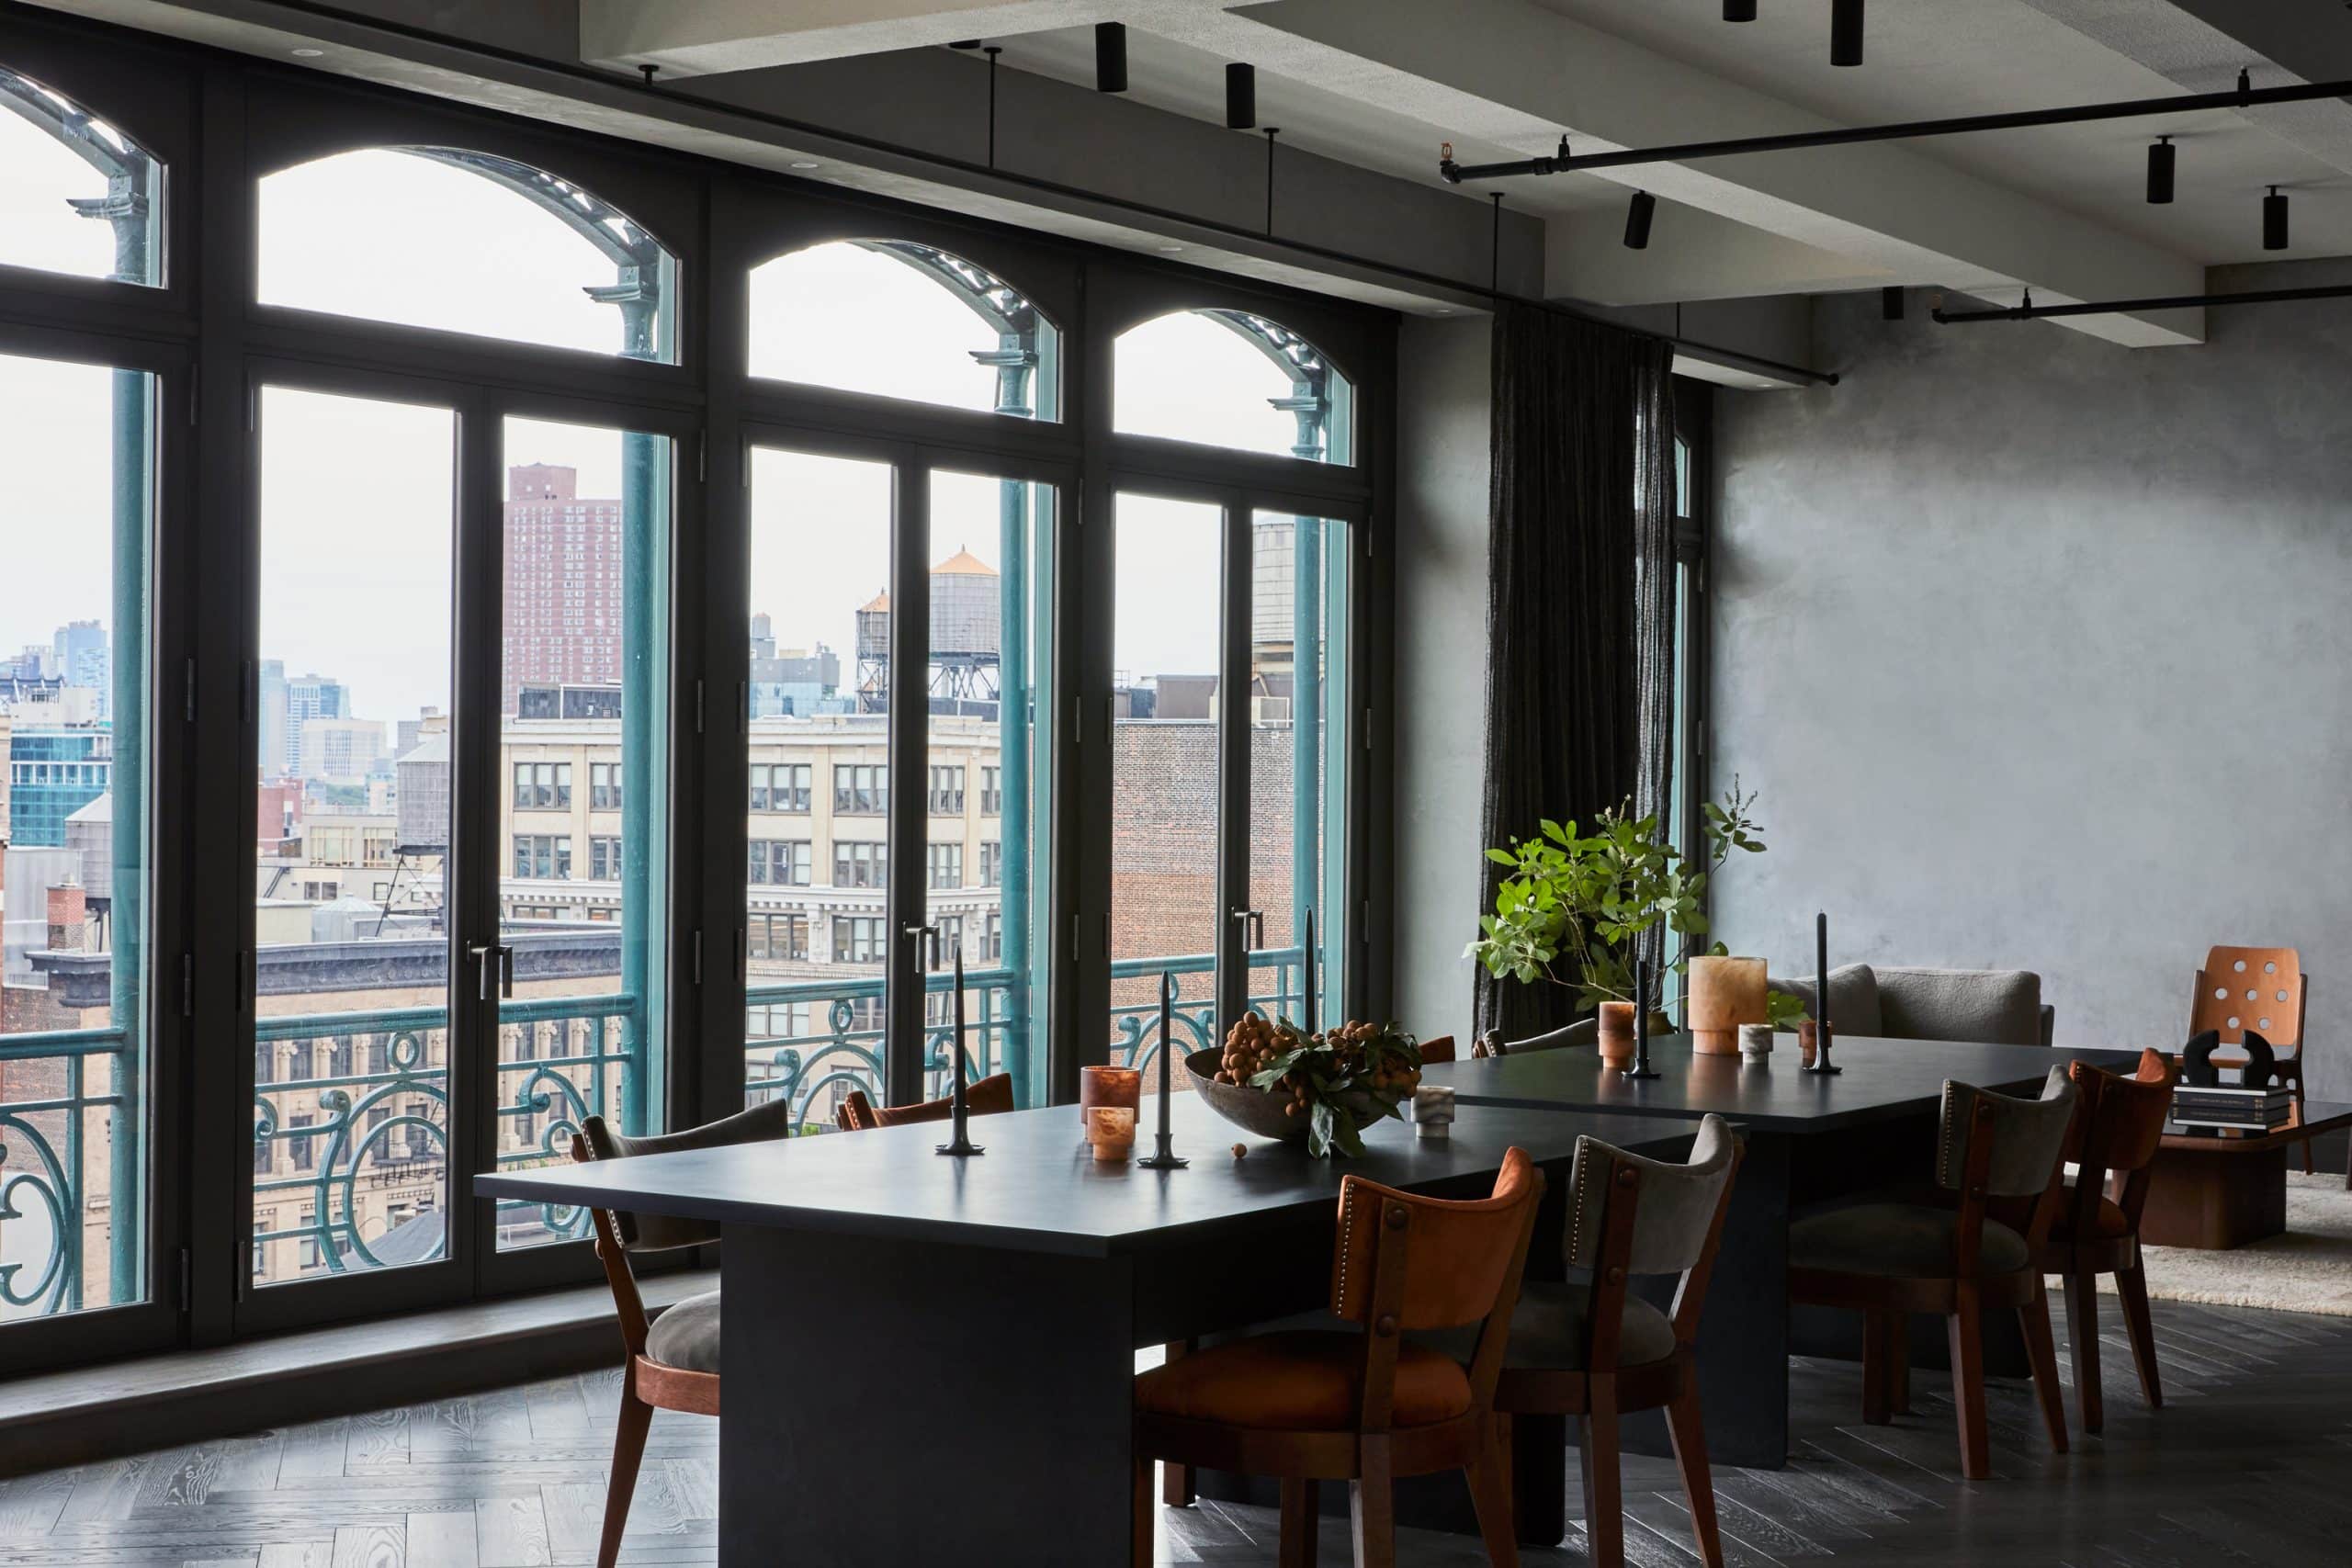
x: 355, y: 495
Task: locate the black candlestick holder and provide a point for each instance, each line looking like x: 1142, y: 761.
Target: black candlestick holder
x: 1164, y: 1157
x: 959, y: 1110
x: 1641, y: 1067
x: 1821, y: 1065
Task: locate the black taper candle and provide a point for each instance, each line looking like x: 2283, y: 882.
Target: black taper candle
x: 1641, y: 1067
x: 1309, y: 951
x: 1821, y: 1031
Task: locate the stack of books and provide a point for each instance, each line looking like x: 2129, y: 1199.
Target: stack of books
x: 2253, y: 1109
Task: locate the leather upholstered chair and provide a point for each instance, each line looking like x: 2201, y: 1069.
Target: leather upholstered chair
x: 2097, y: 1228
x: 1438, y: 1050
x: 1361, y: 1402
x: 672, y: 1361
x: 1590, y: 1349
x: 1998, y: 1175
x: 1585, y: 1031
x: 989, y: 1096
x: 2264, y: 989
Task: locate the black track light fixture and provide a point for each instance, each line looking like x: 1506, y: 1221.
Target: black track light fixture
x: 2163, y: 160
x: 1240, y: 97
x: 1739, y: 11
x: 1891, y: 304
x: 1846, y: 32
x: 2274, y: 220
x: 1110, y: 56
x: 1638, y: 217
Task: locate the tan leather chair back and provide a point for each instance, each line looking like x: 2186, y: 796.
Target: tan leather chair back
x: 1458, y: 1254
x: 991, y: 1096
x: 2261, y: 988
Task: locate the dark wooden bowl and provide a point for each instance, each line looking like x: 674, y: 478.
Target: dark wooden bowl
x: 1253, y: 1111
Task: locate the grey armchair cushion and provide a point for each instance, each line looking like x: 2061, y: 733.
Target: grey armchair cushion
x: 687, y: 1335
x: 1551, y: 1329
x: 656, y: 1233
x: 1586, y: 1032
x: 1896, y: 1241
x: 2028, y: 1136
x: 1673, y: 1214
x: 2000, y: 1007
x: 1853, y: 999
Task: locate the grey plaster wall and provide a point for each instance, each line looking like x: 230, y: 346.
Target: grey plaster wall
x: 2039, y: 653
x: 1440, y: 652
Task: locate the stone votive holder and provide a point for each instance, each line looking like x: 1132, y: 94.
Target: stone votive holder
x: 1100, y: 1087
x: 1755, y: 1042
x: 1433, y: 1111
x: 1112, y: 1130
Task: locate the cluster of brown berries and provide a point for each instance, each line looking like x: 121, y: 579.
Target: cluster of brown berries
x: 1249, y: 1049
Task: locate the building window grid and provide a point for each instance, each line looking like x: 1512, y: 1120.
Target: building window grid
x: 943, y: 866
x: 861, y: 862
x: 861, y: 789
x: 780, y: 786
x: 946, y: 790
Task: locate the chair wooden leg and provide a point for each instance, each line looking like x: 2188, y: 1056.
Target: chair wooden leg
x: 1178, y: 1487
x: 1690, y: 1435
x: 2082, y: 1329
x: 1297, y: 1549
x: 1371, y: 1505
x: 1875, y: 1409
x: 2132, y: 1288
x: 2043, y: 1353
x: 1965, y: 1329
x: 1604, y: 1518
x: 628, y: 1450
x: 1489, y: 1478
x: 1144, y: 1515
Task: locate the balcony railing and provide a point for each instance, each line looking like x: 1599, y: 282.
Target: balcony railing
x: 384, y: 1122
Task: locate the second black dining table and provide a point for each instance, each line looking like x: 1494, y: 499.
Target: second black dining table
x: 1810, y: 1139
x: 930, y: 1359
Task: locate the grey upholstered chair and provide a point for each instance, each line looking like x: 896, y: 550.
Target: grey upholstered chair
x: 1998, y: 1178
x: 1585, y: 1031
x: 2000, y: 1007
x: 673, y: 1361
x: 1588, y: 1348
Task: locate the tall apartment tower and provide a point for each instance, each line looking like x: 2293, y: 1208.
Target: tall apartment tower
x: 563, y: 584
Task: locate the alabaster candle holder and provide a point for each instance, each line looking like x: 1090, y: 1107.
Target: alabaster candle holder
x: 1725, y: 994
x: 1100, y: 1087
x: 1433, y: 1110
x: 1617, y: 1033
x: 1111, y: 1129
x: 1755, y: 1042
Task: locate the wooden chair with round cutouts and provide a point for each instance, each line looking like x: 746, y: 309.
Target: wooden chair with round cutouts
x: 991, y: 1096
x: 2264, y: 989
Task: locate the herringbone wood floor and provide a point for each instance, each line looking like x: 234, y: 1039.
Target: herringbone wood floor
x: 2250, y: 1463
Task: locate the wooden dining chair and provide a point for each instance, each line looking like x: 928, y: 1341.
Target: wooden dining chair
x: 2264, y: 989
x: 1438, y: 1050
x: 1590, y: 1349
x: 1369, y: 1403
x: 673, y: 1361
x: 989, y: 1096
x: 2097, y: 1232
x: 1999, y: 1173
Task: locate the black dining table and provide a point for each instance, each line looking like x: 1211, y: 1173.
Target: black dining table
x: 1812, y: 1139
x: 931, y: 1359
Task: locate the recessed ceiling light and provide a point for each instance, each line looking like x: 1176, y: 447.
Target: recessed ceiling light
x: 1445, y: 309
x: 805, y: 164
x: 309, y: 53
x: 1169, y: 250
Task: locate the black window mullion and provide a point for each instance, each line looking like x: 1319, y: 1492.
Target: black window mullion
x: 471, y: 875
x: 1238, y: 924
x: 910, y: 745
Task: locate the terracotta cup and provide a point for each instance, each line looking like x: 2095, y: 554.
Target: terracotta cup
x: 1725, y: 994
x: 1617, y: 1033
x: 1100, y: 1087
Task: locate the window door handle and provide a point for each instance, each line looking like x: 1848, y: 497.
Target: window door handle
x: 501, y: 956
x: 926, y: 960
x: 1253, y: 929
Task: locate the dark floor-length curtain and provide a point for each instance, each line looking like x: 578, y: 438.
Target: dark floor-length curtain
x: 1579, y: 599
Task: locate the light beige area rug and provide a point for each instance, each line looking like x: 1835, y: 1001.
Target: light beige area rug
x: 2307, y: 1270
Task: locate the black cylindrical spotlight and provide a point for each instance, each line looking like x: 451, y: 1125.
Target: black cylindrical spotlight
x: 2274, y: 220
x: 1240, y: 97
x: 1739, y: 11
x: 1891, y: 304
x: 2164, y: 159
x: 1637, y: 220
x: 1110, y: 56
x: 1846, y: 32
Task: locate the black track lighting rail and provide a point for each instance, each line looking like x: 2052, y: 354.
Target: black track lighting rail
x: 2136, y: 307
x: 2245, y: 95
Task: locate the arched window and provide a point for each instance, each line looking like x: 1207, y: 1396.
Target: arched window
x: 1232, y: 378
x: 59, y: 168
x: 469, y: 242
x: 902, y: 320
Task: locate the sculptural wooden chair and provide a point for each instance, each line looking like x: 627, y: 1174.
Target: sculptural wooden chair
x: 673, y: 1361
x: 1438, y: 1050
x: 1492, y: 1043
x: 2264, y: 989
x: 1363, y: 1406
x: 989, y: 1096
x: 2098, y: 1229
x: 1999, y: 1169
x: 1590, y: 1349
